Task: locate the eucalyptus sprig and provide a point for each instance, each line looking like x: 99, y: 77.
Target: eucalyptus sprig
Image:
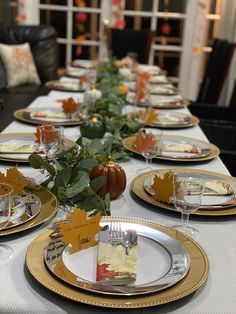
x: 68, y: 174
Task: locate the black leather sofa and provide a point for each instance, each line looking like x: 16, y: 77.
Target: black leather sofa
x: 44, y: 47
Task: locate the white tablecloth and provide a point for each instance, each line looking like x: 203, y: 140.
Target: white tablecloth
x: 20, y: 293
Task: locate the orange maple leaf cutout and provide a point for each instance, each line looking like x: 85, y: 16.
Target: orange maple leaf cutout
x: 163, y: 187
x: 69, y: 105
x: 80, y: 231
x: 140, y: 84
x: 140, y: 94
x: 144, y: 142
x: 148, y: 116
x: 15, y: 179
x: 48, y: 137
x: 144, y: 75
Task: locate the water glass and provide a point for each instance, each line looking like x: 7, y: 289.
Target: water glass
x: 51, y: 139
x: 151, y: 147
x: 188, y: 191
x: 6, y: 191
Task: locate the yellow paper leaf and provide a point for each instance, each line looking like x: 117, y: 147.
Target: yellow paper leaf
x: 148, y: 116
x: 80, y: 231
x: 163, y: 187
x: 15, y: 179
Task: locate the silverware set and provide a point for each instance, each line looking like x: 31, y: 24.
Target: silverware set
x: 116, y: 236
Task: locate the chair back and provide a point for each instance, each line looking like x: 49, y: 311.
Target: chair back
x: 122, y: 42
x: 216, y: 70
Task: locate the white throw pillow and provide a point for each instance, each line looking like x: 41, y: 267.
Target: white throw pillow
x: 19, y: 64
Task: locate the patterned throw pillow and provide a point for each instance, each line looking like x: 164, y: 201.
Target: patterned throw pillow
x: 19, y: 64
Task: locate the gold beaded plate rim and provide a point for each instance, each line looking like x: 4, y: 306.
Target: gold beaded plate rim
x: 214, y: 150
x: 195, y: 278
x: 137, y: 187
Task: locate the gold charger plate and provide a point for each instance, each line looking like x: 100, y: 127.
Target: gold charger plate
x: 172, y: 104
x: 65, y: 86
x: 137, y: 187
x: 193, y: 120
x: 49, y: 207
x: 27, y: 136
x: 214, y: 150
x: 23, y: 115
x: 194, y: 279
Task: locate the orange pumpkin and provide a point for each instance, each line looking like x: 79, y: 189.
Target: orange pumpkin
x: 116, y: 178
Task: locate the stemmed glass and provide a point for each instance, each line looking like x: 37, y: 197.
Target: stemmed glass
x: 51, y: 139
x: 187, y: 197
x: 6, y: 191
x: 150, y: 147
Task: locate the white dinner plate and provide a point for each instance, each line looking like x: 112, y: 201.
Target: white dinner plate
x: 162, y: 262
x: 24, y: 210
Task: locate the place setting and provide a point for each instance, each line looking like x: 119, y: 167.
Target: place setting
x: 46, y: 142
x: 115, y: 262
x: 170, y: 147
x: 66, y: 112
x: 156, y: 187
x: 79, y: 85
x: 159, y: 101
x: 165, y: 119
x: 26, y: 204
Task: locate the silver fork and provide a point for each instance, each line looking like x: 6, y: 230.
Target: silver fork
x: 115, y: 233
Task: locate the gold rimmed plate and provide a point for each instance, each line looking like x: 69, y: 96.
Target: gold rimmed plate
x: 68, y: 86
x: 194, y: 279
x: 75, y: 74
x: 138, y: 188
x: 48, y: 208
x: 36, y: 116
x: 16, y: 147
x: 206, y: 151
x: 157, y: 102
x: 153, y: 247
x: 83, y: 64
x: 174, y: 120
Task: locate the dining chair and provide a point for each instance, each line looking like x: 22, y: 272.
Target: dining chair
x: 122, y: 42
x: 216, y: 71
x: 216, y: 114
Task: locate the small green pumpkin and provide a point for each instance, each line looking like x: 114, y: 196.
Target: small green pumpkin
x: 92, y: 127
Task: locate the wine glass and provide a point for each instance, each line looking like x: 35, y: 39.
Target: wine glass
x: 51, y: 139
x: 6, y: 191
x: 150, y: 147
x: 187, y: 197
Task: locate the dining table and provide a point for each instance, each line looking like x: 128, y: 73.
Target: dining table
x: 22, y: 293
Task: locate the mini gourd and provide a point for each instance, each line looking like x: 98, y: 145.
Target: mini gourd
x: 92, y: 127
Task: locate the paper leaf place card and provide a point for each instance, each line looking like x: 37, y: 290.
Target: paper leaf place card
x: 69, y: 105
x: 15, y: 179
x: 49, y: 135
x: 163, y: 187
x: 148, y: 116
x: 80, y: 231
x: 144, y: 142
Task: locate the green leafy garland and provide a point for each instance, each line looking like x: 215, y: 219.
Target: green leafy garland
x: 68, y: 174
x: 110, y: 106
